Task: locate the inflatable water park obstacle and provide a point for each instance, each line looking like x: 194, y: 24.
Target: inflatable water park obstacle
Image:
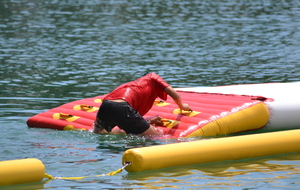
x: 215, y: 111
x: 212, y: 114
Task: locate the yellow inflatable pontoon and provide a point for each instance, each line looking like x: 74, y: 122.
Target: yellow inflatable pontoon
x: 212, y: 150
x: 13, y: 172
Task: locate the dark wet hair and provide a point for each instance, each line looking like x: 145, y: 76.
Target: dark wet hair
x: 146, y: 73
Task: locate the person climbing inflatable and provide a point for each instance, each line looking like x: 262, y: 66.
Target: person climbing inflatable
x: 127, y: 104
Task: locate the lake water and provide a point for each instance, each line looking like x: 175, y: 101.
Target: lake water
x: 53, y: 52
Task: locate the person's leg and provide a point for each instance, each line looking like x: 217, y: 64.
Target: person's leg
x: 133, y: 123
x: 104, y: 121
x: 151, y: 131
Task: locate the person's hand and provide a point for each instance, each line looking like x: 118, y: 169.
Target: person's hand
x: 156, y: 121
x: 186, y: 107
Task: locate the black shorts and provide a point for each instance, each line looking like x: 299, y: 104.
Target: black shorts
x: 121, y: 114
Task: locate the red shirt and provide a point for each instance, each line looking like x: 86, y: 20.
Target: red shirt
x: 141, y: 93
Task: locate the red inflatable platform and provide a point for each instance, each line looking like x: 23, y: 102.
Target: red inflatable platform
x: 212, y: 114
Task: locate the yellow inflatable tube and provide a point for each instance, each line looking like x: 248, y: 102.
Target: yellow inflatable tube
x: 22, y: 171
x: 212, y: 150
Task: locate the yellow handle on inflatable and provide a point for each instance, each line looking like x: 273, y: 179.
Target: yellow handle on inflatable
x: 21, y: 171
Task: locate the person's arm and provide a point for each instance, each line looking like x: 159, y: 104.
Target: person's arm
x: 156, y: 120
x: 177, y: 99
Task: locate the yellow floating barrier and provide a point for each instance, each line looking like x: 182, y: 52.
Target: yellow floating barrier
x: 13, y: 172
x: 212, y: 150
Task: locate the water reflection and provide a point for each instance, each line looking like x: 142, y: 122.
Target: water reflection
x: 119, y: 143
x: 31, y: 186
x: 230, y: 174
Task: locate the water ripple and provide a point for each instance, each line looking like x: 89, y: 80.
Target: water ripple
x: 53, y: 52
